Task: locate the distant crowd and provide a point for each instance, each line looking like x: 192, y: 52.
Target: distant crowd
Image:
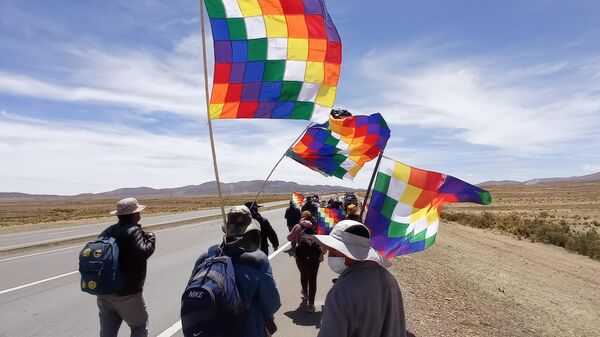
x: 231, y: 290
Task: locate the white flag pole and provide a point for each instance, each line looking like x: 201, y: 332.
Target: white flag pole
x: 210, y: 129
x: 279, y: 161
x: 362, y: 210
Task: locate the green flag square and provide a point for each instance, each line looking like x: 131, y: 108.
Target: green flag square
x: 237, y: 29
x: 430, y: 241
x: 382, y: 183
x: 303, y: 110
x: 274, y: 70
x: 257, y: 50
x: 332, y: 141
x: 418, y: 237
x: 290, y: 91
x: 216, y: 9
x: 388, y: 207
x: 397, y: 229
x: 339, y: 172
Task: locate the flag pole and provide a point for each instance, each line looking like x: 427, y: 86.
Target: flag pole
x: 362, y: 210
x: 279, y: 161
x: 210, y: 129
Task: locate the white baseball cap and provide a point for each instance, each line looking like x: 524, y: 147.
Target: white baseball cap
x: 351, y: 245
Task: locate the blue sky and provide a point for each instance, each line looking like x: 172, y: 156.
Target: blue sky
x: 97, y: 95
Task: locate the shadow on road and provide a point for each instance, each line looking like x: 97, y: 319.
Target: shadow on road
x: 301, y: 317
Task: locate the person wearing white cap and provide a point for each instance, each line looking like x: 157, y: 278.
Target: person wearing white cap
x: 135, y: 247
x: 366, y: 300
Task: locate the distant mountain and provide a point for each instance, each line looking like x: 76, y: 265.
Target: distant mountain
x: 582, y: 179
x: 500, y: 182
x: 208, y: 188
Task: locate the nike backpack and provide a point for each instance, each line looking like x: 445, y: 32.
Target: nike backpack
x: 211, y: 305
x: 99, y: 267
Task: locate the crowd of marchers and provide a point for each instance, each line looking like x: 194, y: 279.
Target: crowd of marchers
x: 231, y: 290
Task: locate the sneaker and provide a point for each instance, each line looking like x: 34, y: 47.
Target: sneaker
x: 310, y: 308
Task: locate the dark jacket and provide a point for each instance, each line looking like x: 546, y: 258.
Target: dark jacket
x: 292, y: 215
x: 267, y: 233
x: 365, y: 301
x: 135, y: 247
x: 311, y: 207
x: 255, y: 283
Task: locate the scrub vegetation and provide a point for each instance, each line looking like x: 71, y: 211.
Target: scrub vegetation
x: 565, y: 215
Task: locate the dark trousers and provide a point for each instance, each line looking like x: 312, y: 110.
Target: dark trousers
x: 308, y: 277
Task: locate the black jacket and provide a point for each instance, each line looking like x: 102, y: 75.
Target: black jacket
x: 267, y: 232
x: 292, y: 215
x: 135, y: 247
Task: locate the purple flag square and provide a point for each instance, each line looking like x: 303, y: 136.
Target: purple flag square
x: 265, y: 110
x: 237, y: 73
x: 250, y: 92
x: 223, y: 51
x: 313, y: 7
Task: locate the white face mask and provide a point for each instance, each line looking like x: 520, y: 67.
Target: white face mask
x: 337, y: 264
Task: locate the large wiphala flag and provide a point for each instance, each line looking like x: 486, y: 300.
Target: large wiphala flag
x: 341, y: 147
x: 404, y: 210
x: 273, y: 59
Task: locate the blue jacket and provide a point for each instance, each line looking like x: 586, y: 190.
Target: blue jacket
x: 257, y: 288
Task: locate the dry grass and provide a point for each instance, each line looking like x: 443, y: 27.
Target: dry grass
x: 23, y: 211
x: 565, y: 215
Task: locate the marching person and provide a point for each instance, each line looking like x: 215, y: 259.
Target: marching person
x: 135, y: 247
x: 266, y: 230
x: 310, y: 206
x: 366, y: 300
x: 292, y: 215
x: 308, y: 256
x: 353, y: 213
x: 253, y: 275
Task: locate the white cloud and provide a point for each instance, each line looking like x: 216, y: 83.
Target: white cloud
x: 76, y: 157
x: 160, y: 81
x: 537, y: 109
x: 590, y: 168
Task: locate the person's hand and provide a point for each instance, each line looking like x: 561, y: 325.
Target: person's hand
x: 275, y: 248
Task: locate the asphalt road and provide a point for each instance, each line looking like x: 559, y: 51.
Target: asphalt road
x: 16, y: 240
x: 40, y: 296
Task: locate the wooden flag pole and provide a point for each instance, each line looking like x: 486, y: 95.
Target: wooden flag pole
x: 279, y: 161
x: 210, y: 129
x: 362, y: 210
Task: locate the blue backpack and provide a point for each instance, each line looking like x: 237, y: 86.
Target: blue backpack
x: 99, y: 267
x: 211, y: 304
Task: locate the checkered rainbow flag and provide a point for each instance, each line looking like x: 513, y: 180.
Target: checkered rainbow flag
x: 341, y: 147
x: 273, y: 59
x: 327, y: 218
x: 405, y: 207
x: 297, y: 199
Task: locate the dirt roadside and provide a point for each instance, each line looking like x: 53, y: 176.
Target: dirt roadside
x: 479, y: 283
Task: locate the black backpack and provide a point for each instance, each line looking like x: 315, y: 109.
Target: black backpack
x: 211, y: 305
x: 308, y: 248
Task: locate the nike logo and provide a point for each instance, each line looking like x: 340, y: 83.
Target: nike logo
x: 196, y: 334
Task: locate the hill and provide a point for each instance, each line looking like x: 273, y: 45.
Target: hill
x: 581, y: 179
x: 205, y: 189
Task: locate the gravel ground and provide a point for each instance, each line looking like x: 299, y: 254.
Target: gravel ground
x: 479, y: 283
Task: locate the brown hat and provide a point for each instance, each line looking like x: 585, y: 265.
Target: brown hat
x: 239, y: 221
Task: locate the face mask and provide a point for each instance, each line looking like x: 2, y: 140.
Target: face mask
x: 337, y: 264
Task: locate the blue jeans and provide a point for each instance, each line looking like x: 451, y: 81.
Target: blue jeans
x: 115, y: 309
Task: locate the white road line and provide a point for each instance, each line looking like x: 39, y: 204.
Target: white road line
x: 37, y: 282
x: 40, y: 253
x: 177, y: 326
